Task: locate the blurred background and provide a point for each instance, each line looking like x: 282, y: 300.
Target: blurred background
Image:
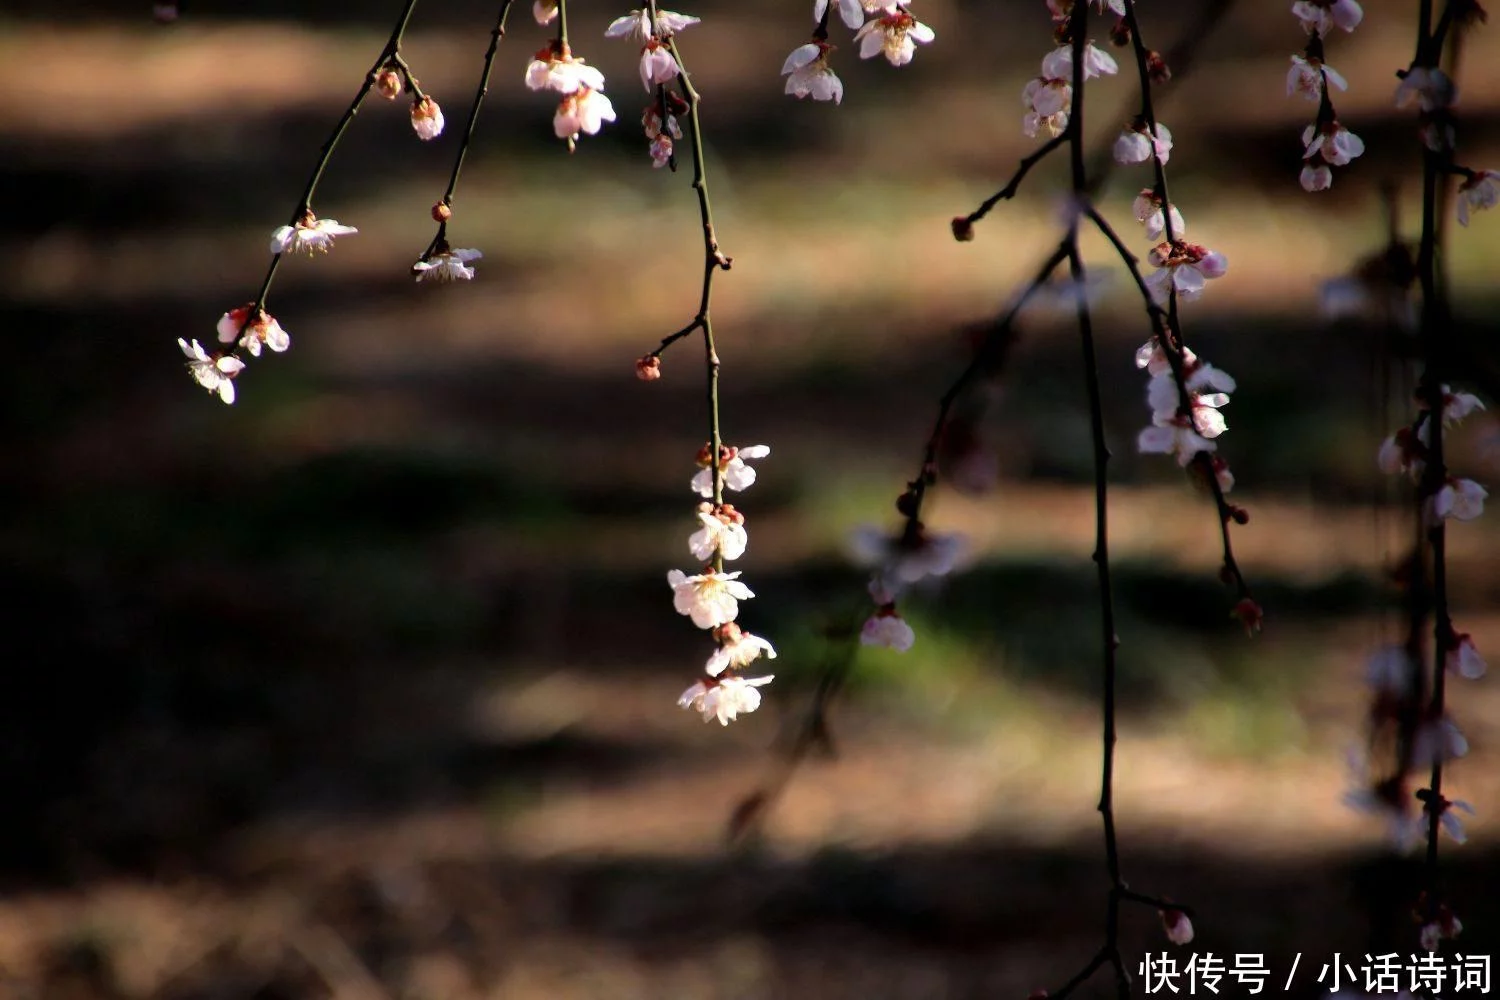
x: 364, y: 686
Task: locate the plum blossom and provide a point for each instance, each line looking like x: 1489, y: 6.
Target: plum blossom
x: 446, y: 265
x: 1457, y: 405
x: 1479, y: 191
x: 544, y: 11
x: 637, y: 25
x: 735, y: 473
x: 237, y: 325
x: 722, y: 532
x: 1433, y: 89
x: 1451, y: 824
x: 1048, y: 103
x: 1058, y: 64
x: 1321, y: 16
x: 1336, y: 144
x: 1401, y: 452
x: 1153, y: 358
x: 1177, y: 925
x: 724, y: 698
x: 1163, y: 398
x: 552, y: 70
x: 1307, y: 75
x: 710, y: 598
x: 1437, y: 740
x: 887, y: 628
x: 908, y: 557
x: 310, y: 234
x: 1183, y: 267
x: 427, y: 119
x: 807, y: 72
x: 657, y: 64
x: 1175, y: 435
x: 851, y: 11
x: 1135, y: 144
x: 1445, y: 926
x: 215, y: 373
x: 892, y: 35
x: 1390, y: 670
x: 737, y: 649
x: 1315, y: 178
x: 1462, y: 499
x: 1463, y: 658
x: 583, y: 110
x: 1148, y: 212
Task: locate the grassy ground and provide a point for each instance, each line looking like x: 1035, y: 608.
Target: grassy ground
x: 364, y: 687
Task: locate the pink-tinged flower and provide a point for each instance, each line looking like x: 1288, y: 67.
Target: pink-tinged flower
x: 1177, y: 925
x: 735, y: 474
x: 1337, y: 144
x: 1183, y: 267
x: 1222, y: 475
x: 310, y: 234
x: 1049, y: 103
x: 724, y: 699
x: 1136, y: 146
x: 1153, y: 358
x: 1390, y: 671
x: 1164, y: 399
x: 807, y: 72
x: 584, y: 110
x: 657, y: 64
x: 1307, y: 75
x: 710, y: 599
x: 550, y: 70
x: 1321, y: 16
x: 1463, y: 658
x: 893, y: 36
x: 1461, y: 499
x: 1148, y: 212
x: 165, y: 13
x: 446, y: 265
x: 637, y: 25
x: 1451, y: 824
x: 545, y: 11
x: 1433, y: 932
x: 851, y: 11
x: 1437, y: 740
x: 1457, y: 405
x: 1315, y: 178
x: 723, y: 533
x: 1175, y: 435
x: 907, y: 557
x: 215, y: 373
x: 1058, y: 64
x: 1477, y: 193
x: 887, y: 628
x: 737, y: 650
x: 237, y: 325
x: 1432, y: 88
x: 661, y: 151
x: 1402, y: 452
x: 651, y: 122
x: 427, y: 119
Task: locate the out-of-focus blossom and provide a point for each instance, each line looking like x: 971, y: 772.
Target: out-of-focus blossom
x: 1461, y: 499
x: 1451, y: 824
x: 1390, y: 671
x: 1456, y: 405
x: 262, y: 330
x: 213, y: 372
x: 1307, y: 75
x: 545, y: 11
x: 887, y: 628
x: 710, y: 598
x: 1477, y: 193
x: 310, y: 235
x: 724, y: 698
x: 1322, y: 16
x: 1315, y: 178
x: 446, y: 265
x: 1176, y: 435
x: 907, y: 557
x: 893, y: 35
x: 1058, y: 64
x: 427, y: 119
x: 1177, y: 925
x: 1463, y: 658
x: 1437, y: 740
x: 735, y: 473
x: 1431, y: 87
x: 807, y: 73
x: 1390, y: 802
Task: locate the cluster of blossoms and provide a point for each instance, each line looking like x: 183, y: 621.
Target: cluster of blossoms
x: 1406, y: 451
x: 711, y: 598
x: 658, y: 68
x: 1048, y: 98
x: 1326, y: 143
x: 583, y: 107
x: 897, y: 563
x: 426, y: 116
x: 881, y: 27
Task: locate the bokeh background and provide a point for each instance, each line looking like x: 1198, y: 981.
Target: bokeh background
x: 364, y: 687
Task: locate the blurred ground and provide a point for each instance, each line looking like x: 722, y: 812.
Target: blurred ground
x: 364, y: 687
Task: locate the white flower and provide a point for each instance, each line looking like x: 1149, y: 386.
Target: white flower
x: 309, y: 234
x: 1118, y: 6
x: 1151, y: 357
x: 892, y: 35
x: 852, y: 12
x: 735, y: 473
x: 1454, y: 826
x: 717, y: 535
x: 1432, y: 88
x: 710, y: 599
x: 1322, y: 15
x: 216, y: 374
x: 637, y: 25
x: 908, y: 557
x: 1135, y: 145
x: 583, y: 110
x: 1185, y: 267
x: 1464, y: 659
x: 657, y: 64
x: 1337, y: 144
x: 1307, y: 75
x: 1177, y: 925
x: 886, y: 628
x: 1478, y: 192
x: 447, y: 265
x: 564, y: 74
x: 1148, y: 212
x: 1401, y: 452
x: 1058, y: 64
x: 1457, y: 405
x: 1173, y: 436
x: 1435, y: 741
x: 545, y: 11
x: 739, y: 650
x: 724, y: 699
x: 807, y: 72
x: 427, y: 119
x: 1462, y: 499
x: 262, y: 330
x: 1315, y: 178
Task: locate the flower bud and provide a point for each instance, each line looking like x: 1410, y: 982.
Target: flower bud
x: 388, y: 83
x: 441, y: 212
x: 1249, y: 615
x: 1119, y: 35
x: 963, y: 229
x: 427, y: 119
x: 1157, y: 68
x: 648, y: 369
x: 1177, y: 925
